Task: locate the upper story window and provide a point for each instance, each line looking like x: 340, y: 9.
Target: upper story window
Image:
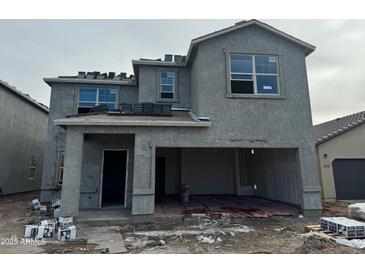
x: 167, y: 85
x: 91, y: 97
x: 254, y: 74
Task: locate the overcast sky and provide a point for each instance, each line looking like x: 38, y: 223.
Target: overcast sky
x: 33, y: 49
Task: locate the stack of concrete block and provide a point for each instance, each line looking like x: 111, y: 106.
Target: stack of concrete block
x: 36, y: 205
x: 66, y: 229
x: 349, y: 228
x: 31, y: 231
x: 56, y: 203
x: 45, y: 229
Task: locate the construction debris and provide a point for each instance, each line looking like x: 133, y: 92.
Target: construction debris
x: 355, y: 243
x: 205, y: 240
x: 36, y: 204
x: 309, y: 228
x: 357, y: 211
x: 56, y: 203
x: 43, y: 209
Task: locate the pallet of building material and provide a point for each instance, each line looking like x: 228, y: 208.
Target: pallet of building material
x: 36, y: 204
x: 56, y: 203
x: 43, y: 209
x: 50, y: 222
x: 49, y: 227
x: 309, y: 228
x: 35, y: 231
x: 349, y: 228
x: 66, y: 233
x: 65, y: 222
x: 31, y: 231
x: 329, y: 223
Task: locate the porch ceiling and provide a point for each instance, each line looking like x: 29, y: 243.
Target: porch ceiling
x: 178, y: 119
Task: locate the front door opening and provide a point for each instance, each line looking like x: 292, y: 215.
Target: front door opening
x: 160, y: 178
x: 114, y: 177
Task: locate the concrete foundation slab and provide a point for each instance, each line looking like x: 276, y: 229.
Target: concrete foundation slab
x: 103, y: 217
x: 107, y: 237
x: 172, y: 206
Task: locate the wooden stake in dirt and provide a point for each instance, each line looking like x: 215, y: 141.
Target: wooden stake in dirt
x: 309, y: 228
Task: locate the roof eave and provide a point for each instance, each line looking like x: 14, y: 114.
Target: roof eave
x: 141, y: 123
x: 158, y: 63
x: 308, y: 47
x: 50, y: 81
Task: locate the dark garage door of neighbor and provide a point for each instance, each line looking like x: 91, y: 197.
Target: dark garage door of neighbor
x: 349, y: 175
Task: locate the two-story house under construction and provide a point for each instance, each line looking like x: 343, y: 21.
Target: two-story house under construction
x: 232, y: 117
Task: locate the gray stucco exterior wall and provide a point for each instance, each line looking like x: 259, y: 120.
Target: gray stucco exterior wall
x: 149, y: 79
x: 64, y: 101
x: 23, y: 134
x: 94, y: 145
x: 283, y: 121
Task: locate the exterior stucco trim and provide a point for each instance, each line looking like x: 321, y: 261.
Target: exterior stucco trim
x: 105, y: 122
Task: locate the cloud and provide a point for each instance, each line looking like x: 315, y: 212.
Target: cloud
x: 33, y: 49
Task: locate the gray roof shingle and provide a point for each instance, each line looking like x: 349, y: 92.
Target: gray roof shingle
x: 330, y: 129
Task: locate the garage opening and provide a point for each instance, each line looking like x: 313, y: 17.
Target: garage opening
x: 114, y: 178
x: 349, y: 176
x: 221, y: 178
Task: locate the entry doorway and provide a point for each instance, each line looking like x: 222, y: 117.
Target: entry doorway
x: 114, y: 178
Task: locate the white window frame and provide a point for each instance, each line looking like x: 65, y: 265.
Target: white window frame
x: 60, y: 155
x: 32, y: 168
x: 97, y: 97
x: 254, y: 75
x: 173, y: 86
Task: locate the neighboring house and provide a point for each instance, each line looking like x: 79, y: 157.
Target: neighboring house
x: 341, y: 156
x: 23, y: 136
x: 240, y: 124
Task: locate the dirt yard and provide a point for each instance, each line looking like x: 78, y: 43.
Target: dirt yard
x: 191, y: 235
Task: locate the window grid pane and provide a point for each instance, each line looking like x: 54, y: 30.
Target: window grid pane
x: 264, y: 76
x: 107, y: 95
x: 267, y: 84
x: 167, y: 85
x: 266, y: 64
x: 88, y: 95
x: 241, y: 63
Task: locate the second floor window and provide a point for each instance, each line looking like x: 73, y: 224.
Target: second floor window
x: 167, y: 85
x: 254, y: 74
x: 91, y: 97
